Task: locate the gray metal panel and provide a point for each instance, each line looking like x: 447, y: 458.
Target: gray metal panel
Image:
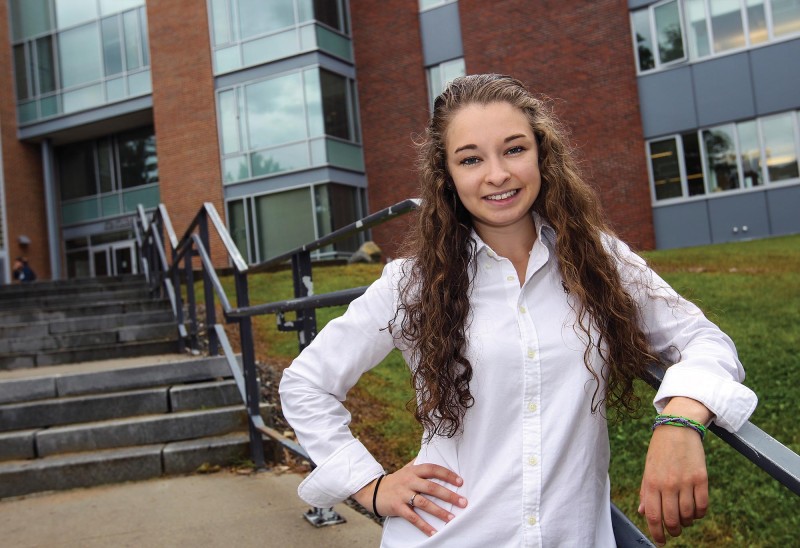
x: 776, y: 77
x: 681, y: 225
x: 667, y: 104
x: 738, y: 217
x: 783, y: 205
x: 722, y: 89
x: 441, y: 34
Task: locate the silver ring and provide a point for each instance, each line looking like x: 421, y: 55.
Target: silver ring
x: 411, y: 500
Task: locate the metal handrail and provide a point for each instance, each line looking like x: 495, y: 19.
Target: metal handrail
x: 760, y: 448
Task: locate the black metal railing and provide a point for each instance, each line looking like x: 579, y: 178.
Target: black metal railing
x: 170, y: 277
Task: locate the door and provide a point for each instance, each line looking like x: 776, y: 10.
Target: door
x: 124, y: 258
x: 114, y: 259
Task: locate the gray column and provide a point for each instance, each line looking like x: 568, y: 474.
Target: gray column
x: 51, y: 208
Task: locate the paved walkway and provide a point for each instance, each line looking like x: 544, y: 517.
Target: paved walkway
x: 222, y: 509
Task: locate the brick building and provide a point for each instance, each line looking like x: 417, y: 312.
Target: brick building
x: 296, y: 117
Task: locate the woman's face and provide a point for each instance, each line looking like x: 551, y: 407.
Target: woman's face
x: 492, y: 158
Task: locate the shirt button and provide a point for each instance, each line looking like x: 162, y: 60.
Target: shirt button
x: 522, y: 309
x: 532, y: 520
x: 510, y: 278
x: 531, y: 353
x: 491, y: 254
x: 487, y: 266
x: 532, y: 461
x: 532, y: 407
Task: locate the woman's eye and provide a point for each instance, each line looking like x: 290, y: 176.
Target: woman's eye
x: 472, y: 160
x: 515, y: 150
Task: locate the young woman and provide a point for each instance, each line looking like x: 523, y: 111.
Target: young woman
x: 522, y: 319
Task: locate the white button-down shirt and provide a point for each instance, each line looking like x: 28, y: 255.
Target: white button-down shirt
x: 533, y: 456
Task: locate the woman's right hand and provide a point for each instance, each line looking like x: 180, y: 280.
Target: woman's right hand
x: 396, y: 490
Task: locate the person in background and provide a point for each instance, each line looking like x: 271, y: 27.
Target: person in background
x: 23, y: 273
x: 524, y: 321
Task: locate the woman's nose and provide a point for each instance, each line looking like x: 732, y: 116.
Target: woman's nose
x: 497, y: 172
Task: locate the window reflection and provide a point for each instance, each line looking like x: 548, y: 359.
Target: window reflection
x: 720, y: 150
x: 757, y: 21
x: 259, y: 17
x: 786, y: 16
x: 697, y: 28
x: 79, y: 56
x: 726, y: 24
x: 275, y: 112
x: 780, y: 148
x: 750, y: 153
x: 668, y: 29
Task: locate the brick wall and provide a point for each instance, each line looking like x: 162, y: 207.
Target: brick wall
x: 392, y: 101
x: 184, y: 111
x: 578, y: 52
x: 22, y: 170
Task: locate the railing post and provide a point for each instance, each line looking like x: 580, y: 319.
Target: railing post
x: 304, y: 287
x: 211, y: 311
x: 252, y: 387
x: 190, y: 300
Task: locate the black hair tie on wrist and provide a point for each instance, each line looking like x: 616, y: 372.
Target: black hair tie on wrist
x: 375, y: 497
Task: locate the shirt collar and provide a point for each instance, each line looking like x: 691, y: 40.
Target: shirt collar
x: 544, y: 233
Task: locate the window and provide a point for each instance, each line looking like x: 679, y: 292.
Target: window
x: 780, y: 148
x: 724, y: 158
x: 267, y: 127
x: 67, y: 58
x: 442, y: 74
x: 252, y: 32
x: 267, y: 225
x: 107, y: 176
x: 665, y: 32
x: 721, y: 165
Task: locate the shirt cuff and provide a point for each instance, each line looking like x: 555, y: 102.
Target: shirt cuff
x: 346, y: 471
x: 731, y: 402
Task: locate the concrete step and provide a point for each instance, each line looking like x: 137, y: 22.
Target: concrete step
x: 111, y: 405
x: 119, y: 465
x: 78, y: 310
x: 58, y: 300
x: 35, y: 291
x: 89, y: 353
x: 91, y: 323
x: 113, y: 375
x: 143, y: 430
x: 45, y: 285
x: 120, y: 334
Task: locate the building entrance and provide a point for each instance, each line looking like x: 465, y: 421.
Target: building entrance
x: 113, y: 259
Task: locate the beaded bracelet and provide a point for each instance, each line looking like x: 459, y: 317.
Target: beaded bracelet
x: 375, y: 497
x: 674, y: 420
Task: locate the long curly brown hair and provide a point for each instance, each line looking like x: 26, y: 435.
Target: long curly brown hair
x: 435, y: 294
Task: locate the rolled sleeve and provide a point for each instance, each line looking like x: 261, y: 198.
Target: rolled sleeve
x: 346, y: 471
x: 313, y: 388
x: 705, y: 365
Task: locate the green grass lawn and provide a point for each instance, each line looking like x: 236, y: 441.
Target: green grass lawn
x: 750, y: 289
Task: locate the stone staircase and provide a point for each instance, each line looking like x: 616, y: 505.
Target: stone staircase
x: 66, y: 321
x: 117, y: 418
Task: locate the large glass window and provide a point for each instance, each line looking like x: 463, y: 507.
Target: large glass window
x: 744, y: 155
x: 708, y: 27
x: 77, y: 61
x: 267, y: 127
x: 252, y: 32
x: 268, y: 225
x: 80, y: 56
x: 107, y: 176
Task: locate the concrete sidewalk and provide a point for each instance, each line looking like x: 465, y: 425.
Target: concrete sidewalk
x: 222, y: 509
